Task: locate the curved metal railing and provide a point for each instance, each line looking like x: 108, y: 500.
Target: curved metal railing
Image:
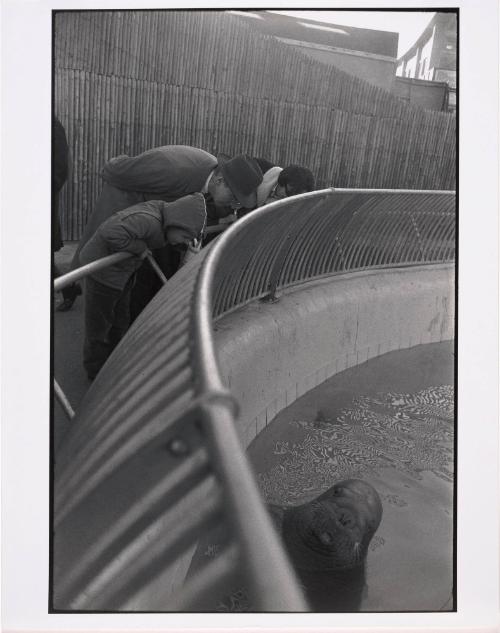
x: 153, y: 460
x: 328, y: 232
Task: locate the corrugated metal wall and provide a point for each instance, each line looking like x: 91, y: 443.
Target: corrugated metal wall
x: 126, y: 81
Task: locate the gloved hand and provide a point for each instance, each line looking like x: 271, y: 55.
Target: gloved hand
x: 229, y: 219
x: 192, y: 250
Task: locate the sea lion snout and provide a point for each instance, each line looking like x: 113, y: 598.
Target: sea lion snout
x: 358, y: 500
x: 334, y: 530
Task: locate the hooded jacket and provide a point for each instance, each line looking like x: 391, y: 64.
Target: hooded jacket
x: 140, y: 227
x: 163, y: 173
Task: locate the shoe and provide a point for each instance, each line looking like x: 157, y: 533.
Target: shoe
x: 66, y: 305
x: 69, y: 297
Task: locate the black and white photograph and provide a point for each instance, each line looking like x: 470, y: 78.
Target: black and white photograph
x: 255, y: 388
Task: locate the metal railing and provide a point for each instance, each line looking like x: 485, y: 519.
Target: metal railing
x: 175, y: 454
x: 331, y: 231
x: 80, y: 273
x: 153, y: 461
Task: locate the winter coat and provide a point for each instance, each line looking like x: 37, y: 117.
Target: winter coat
x: 163, y: 173
x: 60, y: 167
x: 140, y: 227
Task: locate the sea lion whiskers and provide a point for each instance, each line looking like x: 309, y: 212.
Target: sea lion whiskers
x: 329, y: 536
x: 357, y: 551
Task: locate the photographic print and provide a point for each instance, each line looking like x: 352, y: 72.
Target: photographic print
x: 254, y: 341
x: 250, y: 368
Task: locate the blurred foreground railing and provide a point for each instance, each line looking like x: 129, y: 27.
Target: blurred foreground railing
x: 152, y: 461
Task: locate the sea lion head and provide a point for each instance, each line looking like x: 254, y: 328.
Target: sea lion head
x: 333, y: 531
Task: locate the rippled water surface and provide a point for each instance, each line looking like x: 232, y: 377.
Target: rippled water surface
x: 391, y: 422
x: 408, y: 432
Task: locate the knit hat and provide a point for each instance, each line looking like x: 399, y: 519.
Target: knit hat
x: 242, y: 175
x: 188, y: 213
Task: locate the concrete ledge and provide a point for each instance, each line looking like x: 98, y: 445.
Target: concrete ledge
x: 271, y: 354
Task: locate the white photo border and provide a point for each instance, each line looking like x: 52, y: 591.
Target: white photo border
x: 26, y: 116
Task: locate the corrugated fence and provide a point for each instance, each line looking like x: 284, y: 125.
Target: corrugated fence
x: 126, y: 81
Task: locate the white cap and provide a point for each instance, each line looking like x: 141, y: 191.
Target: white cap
x: 269, y: 181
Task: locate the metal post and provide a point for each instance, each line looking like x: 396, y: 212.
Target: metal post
x: 63, y: 401
x: 156, y: 268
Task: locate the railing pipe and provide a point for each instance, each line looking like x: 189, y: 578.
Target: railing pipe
x: 264, y: 557
x: 361, y: 224
x: 156, y: 268
x: 262, y: 548
x: 170, y: 487
x: 63, y: 401
x: 392, y: 228
x: 202, y: 591
x: 121, y: 577
x: 283, y: 253
x: 207, y: 369
x: 79, y: 273
x: 394, y: 191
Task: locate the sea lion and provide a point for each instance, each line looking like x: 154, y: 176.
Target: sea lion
x: 327, y: 541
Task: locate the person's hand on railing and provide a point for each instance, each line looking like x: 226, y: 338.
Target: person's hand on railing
x: 192, y: 250
x: 145, y: 254
x: 229, y: 219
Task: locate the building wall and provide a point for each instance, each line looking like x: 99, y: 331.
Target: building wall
x: 444, y: 53
x: 372, y: 41
x: 376, y: 71
x: 428, y: 95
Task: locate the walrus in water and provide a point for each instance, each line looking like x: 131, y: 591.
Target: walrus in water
x: 327, y: 541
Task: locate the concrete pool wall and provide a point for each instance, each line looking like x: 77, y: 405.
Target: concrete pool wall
x: 272, y: 353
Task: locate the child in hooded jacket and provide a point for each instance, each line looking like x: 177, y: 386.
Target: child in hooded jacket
x: 146, y: 226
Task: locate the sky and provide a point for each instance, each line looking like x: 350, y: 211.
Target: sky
x: 409, y: 24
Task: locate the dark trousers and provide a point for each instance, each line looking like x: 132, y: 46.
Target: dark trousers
x: 107, y: 318
x: 147, y: 282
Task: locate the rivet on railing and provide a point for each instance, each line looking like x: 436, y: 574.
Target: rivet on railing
x: 178, y: 447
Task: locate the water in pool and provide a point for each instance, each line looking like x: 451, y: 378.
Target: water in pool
x: 390, y: 422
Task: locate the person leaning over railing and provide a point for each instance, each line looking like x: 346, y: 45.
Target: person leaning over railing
x: 169, y: 173
x: 138, y: 230
x: 278, y: 183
